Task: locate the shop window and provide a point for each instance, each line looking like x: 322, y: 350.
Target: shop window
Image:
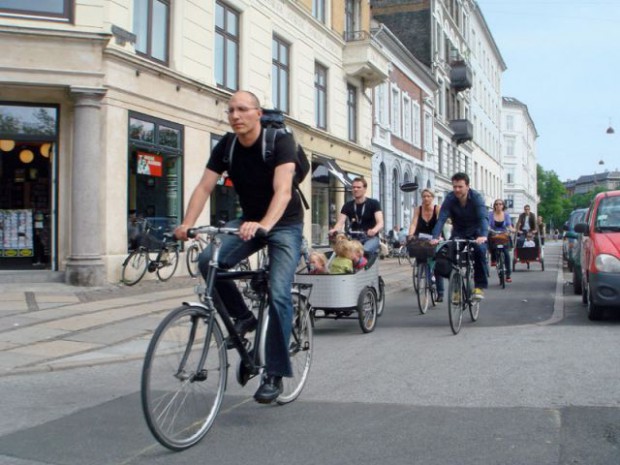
x: 155, y: 175
x: 49, y: 9
x: 28, y: 138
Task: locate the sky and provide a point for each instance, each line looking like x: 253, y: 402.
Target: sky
x: 563, y: 60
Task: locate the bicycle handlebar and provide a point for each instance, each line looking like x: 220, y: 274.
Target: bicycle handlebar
x: 214, y: 230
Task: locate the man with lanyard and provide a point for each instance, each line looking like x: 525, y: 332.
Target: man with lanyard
x: 268, y: 202
x: 364, y: 214
x: 470, y: 220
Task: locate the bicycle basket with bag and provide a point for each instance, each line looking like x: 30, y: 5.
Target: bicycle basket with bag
x: 445, y: 259
x: 499, y: 239
x: 421, y: 250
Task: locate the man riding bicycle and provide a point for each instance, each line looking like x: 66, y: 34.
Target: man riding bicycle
x: 466, y: 208
x: 268, y: 202
x: 364, y: 215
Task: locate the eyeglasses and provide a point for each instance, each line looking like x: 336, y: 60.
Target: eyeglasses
x: 232, y: 110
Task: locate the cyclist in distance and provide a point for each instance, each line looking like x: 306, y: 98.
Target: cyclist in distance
x: 364, y: 214
x: 465, y: 207
x: 424, y: 221
x: 500, y: 221
x: 268, y: 202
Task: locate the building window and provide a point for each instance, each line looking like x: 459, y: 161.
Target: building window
x: 510, y: 146
x: 54, y: 9
x: 155, y: 170
x: 280, y: 73
x: 320, y: 96
x: 318, y: 10
x: 395, y: 112
x: 352, y: 112
x: 150, y: 24
x: 226, y: 47
x: 510, y: 176
x: 428, y: 132
x: 395, y: 198
x: 510, y: 123
x: 440, y: 156
x: 381, y: 104
x: 406, y: 118
x: 416, y: 125
x: 382, y: 183
x: 351, y: 18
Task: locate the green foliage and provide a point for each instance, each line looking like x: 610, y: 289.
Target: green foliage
x: 554, y: 207
x: 584, y: 200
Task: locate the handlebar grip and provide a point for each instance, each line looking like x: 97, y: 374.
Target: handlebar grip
x: 260, y: 232
x: 191, y: 233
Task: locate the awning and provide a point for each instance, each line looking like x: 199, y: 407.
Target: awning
x: 329, y: 165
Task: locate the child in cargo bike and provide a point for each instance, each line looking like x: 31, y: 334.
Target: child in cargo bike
x: 500, y: 227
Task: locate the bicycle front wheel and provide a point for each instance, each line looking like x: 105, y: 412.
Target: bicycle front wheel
x: 134, y: 267
x: 169, y: 260
x: 501, y: 269
x: 184, y: 377
x: 474, y: 304
x: 424, y: 294
x: 455, y: 301
x: 300, y: 350
x: 191, y: 258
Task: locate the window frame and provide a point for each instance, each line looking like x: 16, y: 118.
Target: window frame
x: 227, y: 38
x: 319, y: 10
x: 395, y: 115
x: 407, y: 118
x: 68, y: 14
x: 277, y: 43
x: 352, y: 112
x: 320, y: 96
x: 149, y: 32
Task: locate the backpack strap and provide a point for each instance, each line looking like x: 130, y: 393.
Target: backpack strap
x: 231, y: 141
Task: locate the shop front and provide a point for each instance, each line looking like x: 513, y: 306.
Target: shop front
x: 155, y: 177
x: 28, y: 176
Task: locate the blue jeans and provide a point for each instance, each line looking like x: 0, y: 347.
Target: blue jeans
x: 284, y: 249
x: 480, y: 266
x: 371, y: 244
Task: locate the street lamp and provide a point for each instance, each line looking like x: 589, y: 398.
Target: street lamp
x: 610, y: 129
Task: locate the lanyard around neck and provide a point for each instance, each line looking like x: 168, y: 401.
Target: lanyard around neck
x: 359, y: 217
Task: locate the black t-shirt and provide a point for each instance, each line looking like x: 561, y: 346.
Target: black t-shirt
x: 361, y: 216
x: 252, y: 177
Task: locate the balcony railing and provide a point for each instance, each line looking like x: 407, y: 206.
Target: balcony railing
x: 363, y: 58
x: 463, y: 130
x: 460, y: 76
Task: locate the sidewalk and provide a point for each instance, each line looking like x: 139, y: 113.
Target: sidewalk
x: 51, y: 326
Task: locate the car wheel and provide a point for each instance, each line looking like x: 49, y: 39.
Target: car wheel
x: 576, y: 282
x: 584, y: 290
x: 595, y: 312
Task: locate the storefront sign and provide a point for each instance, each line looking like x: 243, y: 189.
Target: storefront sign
x: 149, y: 164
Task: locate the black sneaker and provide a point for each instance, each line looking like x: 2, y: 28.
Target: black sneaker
x: 243, y: 326
x: 439, y: 298
x: 269, y: 390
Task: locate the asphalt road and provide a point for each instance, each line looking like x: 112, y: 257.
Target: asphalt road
x: 533, y: 382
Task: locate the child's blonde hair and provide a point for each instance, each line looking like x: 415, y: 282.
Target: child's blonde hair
x: 342, y: 247
x: 356, y: 246
x: 320, y: 257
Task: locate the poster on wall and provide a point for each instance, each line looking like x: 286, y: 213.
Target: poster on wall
x: 149, y: 164
x: 16, y: 233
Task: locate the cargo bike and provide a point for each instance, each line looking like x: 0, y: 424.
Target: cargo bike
x: 527, y: 255
x: 359, y: 295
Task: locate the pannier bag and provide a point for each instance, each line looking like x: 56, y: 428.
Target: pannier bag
x: 445, y: 259
x: 421, y: 250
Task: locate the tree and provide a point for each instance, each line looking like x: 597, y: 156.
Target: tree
x: 554, y: 206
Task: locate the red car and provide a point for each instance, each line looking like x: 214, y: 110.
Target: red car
x: 600, y: 254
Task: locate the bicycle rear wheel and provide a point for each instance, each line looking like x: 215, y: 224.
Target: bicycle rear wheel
x: 455, y: 301
x: 169, y: 260
x: 424, y: 293
x: 134, y: 267
x: 381, y: 297
x: 501, y: 269
x: 300, y: 350
x: 191, y: 258
x: 184, y: 377
x: 414, y: 273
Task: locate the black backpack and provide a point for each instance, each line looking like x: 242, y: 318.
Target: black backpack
x: 273, y: 124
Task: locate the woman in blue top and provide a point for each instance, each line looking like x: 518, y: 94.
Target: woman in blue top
x: 499, y: 222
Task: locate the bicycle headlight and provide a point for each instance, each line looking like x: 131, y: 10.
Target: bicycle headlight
x: 606, y: 263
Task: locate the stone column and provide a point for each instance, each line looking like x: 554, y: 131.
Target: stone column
x: 85, y: 266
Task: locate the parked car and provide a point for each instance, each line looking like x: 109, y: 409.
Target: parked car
x: 569, y: 237
x: 577, y: 284
x: 600, y: 254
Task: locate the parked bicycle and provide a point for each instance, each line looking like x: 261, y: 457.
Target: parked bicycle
x: 139, y: 261
x: 193, y: 251
x: 458, y: 258
x: 186, y: 363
